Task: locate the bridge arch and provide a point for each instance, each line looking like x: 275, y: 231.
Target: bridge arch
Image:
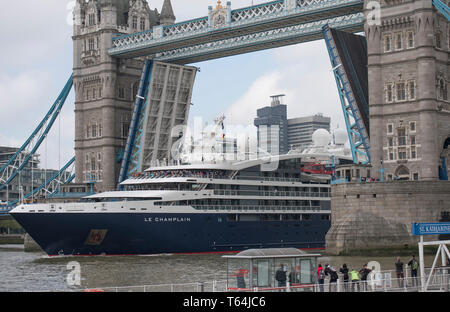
x: 402, y: 173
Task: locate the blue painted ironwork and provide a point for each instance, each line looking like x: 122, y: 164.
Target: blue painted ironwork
x: 29, y: 148
x: 53, y: 178
x: 443, y: 8
x: 260, y: 41
x: 357, y: 134
x: 260, y: 19
x: 133, y: 145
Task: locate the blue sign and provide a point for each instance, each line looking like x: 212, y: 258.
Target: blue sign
x: 431, y: 228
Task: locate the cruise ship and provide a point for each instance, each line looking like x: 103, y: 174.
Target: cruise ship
x: 205, y: 206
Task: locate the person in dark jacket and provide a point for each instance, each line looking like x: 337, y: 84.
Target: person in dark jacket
x: 364, y: 272
x: 344, y: 271
x: 280, y: 276
x: 414, y: 264
x: 399, y: 271
x: 329, y: 270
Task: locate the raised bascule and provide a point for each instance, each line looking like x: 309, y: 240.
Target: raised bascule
x: 133, y: 86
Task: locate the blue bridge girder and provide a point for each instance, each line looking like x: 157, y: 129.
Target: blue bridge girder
x: 268, y: 25
x: 59, y: 178
x: 443, y: 8
x: 25, y: 153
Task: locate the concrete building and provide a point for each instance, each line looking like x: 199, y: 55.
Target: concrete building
x: 271, y: 123
x: 300, y: 129
x: 278, y: 133
x: 105, y: 87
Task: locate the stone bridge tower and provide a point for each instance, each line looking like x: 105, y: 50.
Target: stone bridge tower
x: 105, y: 87
x: 409, y: 76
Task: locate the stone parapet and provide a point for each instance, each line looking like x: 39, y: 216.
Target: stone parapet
x: 380, y: 214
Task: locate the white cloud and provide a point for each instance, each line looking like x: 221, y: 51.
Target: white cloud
x: 304, y: 75
x: 243, y: 111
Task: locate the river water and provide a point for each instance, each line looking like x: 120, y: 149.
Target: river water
x: 28, y: 272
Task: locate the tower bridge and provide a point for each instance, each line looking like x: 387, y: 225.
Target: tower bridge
x: 226, y: 32
x: 121, y: 109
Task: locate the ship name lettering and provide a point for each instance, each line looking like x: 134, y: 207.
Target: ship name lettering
x: 176, y: 219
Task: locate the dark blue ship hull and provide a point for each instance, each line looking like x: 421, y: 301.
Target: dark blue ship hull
x: 145, y: 233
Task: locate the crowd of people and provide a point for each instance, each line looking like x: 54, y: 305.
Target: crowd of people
x: 355, y: 280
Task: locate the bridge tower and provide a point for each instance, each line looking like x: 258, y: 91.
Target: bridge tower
x: 105, y: 87
x: 409, y: 74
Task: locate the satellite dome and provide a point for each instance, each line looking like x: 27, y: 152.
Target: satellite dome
x: 340, y: 136
x: 321, y: 137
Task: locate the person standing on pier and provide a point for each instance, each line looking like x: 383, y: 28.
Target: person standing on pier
x: 344, y: 271
x: 399, y: 271
x: 414, y: 267
x: 355, y: 279
x: 364, y: 272
x: 280, y: 276
x: 329, y: 270
x: 320, y: 277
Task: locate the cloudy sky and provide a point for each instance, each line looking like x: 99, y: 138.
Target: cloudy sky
x: 36, y: 61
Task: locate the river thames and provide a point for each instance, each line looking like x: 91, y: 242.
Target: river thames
x: 34, y: 271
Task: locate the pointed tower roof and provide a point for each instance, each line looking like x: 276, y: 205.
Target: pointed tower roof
x: 167, y: 10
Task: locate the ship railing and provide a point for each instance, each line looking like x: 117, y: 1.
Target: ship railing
x: 260, y: 208
x: 218, y: 177
x: 275, y: 179
x: 273, y: 193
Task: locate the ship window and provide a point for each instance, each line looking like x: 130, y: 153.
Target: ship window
x: 231, y: 217
x: 306, y: 217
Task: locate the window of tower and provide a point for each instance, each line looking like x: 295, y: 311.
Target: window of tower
x: 413, y: 153
x: 402, y: 153
x: 91, y: 19
x: 410, y: 37
x: 437, y: 40
x: 389, y: 92
x: 121, y: 92
x: 390, y: 128
x: 91, y: 44
x: 142, y: 24
x: 442, y: 90
x: 401, y: 91
x: 398, y: 41
x: 401, y: 133
x: 134, y: 22
x: 412, y: 90
x: 387, y: 43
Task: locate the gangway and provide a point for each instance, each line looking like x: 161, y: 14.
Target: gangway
x: 23, y: 155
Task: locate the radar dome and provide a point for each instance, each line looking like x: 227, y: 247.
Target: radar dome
x: 321, y: 137
x: 340, y: 136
